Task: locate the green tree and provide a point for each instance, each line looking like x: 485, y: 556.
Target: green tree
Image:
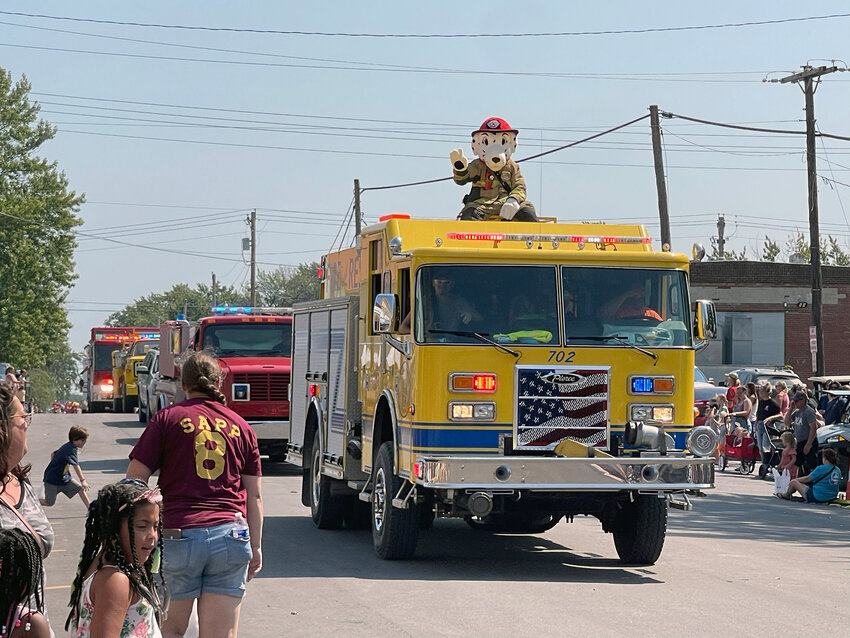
x: 37, y: 242
x: 286, y: 286
x: 44, y: 389
x: 155, y: 308
x: 770, y: 251
x: 834, y: 255
x: 726, y: 255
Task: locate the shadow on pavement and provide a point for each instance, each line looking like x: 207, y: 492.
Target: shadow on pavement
x: 764, y: 517
x: 131, y: 441
x: 450, y: 551
x: 108, y: 466
x: 272, y: 468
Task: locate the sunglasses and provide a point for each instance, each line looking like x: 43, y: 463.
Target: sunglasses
x: 27, y: 417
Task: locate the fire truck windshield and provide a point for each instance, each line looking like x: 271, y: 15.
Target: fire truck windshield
x: 551, y: 305
x: 103, y: 355
x: 251, y: 339
x: 140, y: 348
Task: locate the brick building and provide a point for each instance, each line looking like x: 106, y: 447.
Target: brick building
x: 764, y: 312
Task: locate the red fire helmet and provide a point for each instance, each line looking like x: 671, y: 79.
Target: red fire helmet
x: 495, y: 125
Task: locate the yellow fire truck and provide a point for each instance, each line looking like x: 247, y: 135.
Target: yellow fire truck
x: 511, y: 374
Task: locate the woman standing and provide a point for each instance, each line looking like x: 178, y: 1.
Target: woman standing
x: 19, y: 507
x: 740, y: 412
x: 209, y: 474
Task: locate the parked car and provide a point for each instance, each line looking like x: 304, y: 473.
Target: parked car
x: 704, y: 391
x: 757, y: 375
x: 145, y: 377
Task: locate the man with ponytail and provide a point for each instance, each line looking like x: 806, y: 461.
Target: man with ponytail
x: 210, y: 477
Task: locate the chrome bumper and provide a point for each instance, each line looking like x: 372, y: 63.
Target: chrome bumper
x: 270, y: 430
x: 559, y: 474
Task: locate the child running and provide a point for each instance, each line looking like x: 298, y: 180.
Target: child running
x: 21, y: 594
x: 789, y: 455
x: 113, y: 592
x: 57, y: 475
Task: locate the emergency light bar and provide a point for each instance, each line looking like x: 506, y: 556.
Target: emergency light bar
x: 570, y: 239
x: 249, y: 310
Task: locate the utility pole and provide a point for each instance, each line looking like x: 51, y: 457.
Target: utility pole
x: 214, y: 291
x: 721, y: 240
x: 660, y: 183
x: 357, y: 221
x: 809, y: 76
x: 252, y: 222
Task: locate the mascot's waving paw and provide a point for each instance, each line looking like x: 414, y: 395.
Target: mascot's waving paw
x: 498, y: 187
x: 459, y: 161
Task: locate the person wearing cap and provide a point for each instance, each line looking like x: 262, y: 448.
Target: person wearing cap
x: 498, y: 187
x: 802, y: 418
x: 732, y: 387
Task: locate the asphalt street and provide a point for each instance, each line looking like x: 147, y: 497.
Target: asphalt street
x: 742, y: 563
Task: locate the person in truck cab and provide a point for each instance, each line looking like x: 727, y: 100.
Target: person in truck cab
x: 629, y: 304
x: 445, y: 310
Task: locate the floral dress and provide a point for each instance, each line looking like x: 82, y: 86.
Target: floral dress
x: 139, y: 622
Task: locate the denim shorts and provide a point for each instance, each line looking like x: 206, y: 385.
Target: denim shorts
x: 206, y: 560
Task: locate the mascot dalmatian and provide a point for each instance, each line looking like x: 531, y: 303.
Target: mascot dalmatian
x: 498, y: 188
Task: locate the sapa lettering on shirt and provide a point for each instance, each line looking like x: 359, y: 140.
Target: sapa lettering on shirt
x: 220, y: 425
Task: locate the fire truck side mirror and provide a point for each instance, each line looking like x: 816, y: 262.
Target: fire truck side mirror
x: 385, y: 314
x: 705, y: 320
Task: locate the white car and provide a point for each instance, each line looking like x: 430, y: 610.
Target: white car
x: 146, y: 374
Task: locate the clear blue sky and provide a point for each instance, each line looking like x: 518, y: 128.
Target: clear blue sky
x: 284, y: 123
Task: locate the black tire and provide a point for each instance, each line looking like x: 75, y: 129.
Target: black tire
x: 640, y: 529
x: 426, y: 516
x: 327, y: 510
x: 117, y: 406
x: 143, y: 415
x: 395, y: 531
x: 747, y: 466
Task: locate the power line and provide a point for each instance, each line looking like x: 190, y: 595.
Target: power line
x: 354, y: 67
x: 143, y: 246
x: 726, y: 25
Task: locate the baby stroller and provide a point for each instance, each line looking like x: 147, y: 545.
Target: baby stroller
x: 747, y: 453
x: 771, y: 458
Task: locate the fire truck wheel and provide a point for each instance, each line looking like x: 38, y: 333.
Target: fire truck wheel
x: 326, y: 509
x: 640, y: 528
x: 143, y: 415
x: 116, y: 405
x: 395, y: 531
x: 127, y: 404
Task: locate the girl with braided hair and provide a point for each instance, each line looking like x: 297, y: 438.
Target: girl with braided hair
x: 22, y: 590
x: 114, y: 593
x: 209, y: 474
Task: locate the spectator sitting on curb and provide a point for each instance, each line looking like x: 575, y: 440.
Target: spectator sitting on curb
x: 821, y: 486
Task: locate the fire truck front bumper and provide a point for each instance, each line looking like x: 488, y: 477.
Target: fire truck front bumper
x: 567, y: 474
x: 270, y: 430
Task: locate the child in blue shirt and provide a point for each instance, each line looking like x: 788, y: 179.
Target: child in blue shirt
x: 57, y: 475
x: 821, y: 486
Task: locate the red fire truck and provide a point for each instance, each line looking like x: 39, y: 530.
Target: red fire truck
x: 97, y: 384
x: 253, y: 347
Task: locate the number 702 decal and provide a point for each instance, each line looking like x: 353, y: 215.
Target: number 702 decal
x: 561, y: 356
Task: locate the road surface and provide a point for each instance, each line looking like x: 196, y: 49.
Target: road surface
x: 742, y: 563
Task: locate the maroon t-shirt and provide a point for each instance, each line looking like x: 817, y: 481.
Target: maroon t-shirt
x: 200, y: 448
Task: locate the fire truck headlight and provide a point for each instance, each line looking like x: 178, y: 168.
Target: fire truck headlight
x: 702, y: 441
x: 651, y: 412
x: 472, y: 411
x: 106, y: 387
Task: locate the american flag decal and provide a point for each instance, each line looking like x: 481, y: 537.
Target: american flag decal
x: 559, y: 402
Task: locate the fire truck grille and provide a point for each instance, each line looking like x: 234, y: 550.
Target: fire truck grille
x: 265, y: 386
x: 558, y: 403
